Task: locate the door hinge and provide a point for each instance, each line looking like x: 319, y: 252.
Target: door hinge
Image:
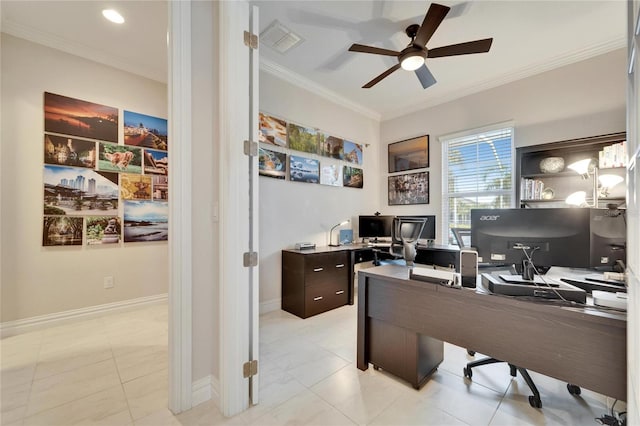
x: 250, y: 258
x: 250, y: 40
x: 250, y: 368
x: 250, y: 148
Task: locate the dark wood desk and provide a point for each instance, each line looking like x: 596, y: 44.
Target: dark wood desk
x: 583, y: 346
x: 311, y: 284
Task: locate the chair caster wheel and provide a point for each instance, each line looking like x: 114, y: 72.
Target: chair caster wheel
x: 535, y: 402
x: 471, y: 353
x: 375, y: 367
x: 468, y: 373
x: 573, y: 389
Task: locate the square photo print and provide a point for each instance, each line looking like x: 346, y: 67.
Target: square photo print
x: 135, y: 187
x: 273, y: 130
x: 352, y: 177
x: 303, y: 139
x: 272, y: 164
x: 103, y: 230
x: 156, y: 162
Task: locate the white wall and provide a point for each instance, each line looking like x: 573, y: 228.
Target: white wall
x: 40, y: 280
x: 583, y: 99
x: 291, y: 212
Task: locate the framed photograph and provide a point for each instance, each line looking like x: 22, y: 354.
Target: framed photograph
x: 303, y: 139
x: 145, y: 131
x: 352, y: 152
x: 65, y: 151
x: 272, y: 164
x: 146, y: 221
x: 103, y: 230
x: 79, y: 192
x: 156, y: 162
x: 408, y: 155
x: 331, y: 175
x: 352, y: 177
x: 62, y: 231
x: 273, y: 130
x: 74, y: 117
x: 119, y: 158
x: 412, y: 188
x: 303, y: 169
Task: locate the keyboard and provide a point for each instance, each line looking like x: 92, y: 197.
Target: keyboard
x: 590, y: 285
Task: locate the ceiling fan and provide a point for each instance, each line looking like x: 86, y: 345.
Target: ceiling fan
x: 412, y: 57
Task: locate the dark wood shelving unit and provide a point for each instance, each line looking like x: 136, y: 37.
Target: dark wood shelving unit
x: 567, y: 181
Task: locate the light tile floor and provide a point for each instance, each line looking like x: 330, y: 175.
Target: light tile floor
x: 112, y: 370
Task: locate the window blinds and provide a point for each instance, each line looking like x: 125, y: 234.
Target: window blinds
x: 479, y: 174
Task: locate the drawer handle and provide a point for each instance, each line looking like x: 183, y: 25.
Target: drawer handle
x: 315, y: 299
x: 339, y: 291
x: 317, y: 269
x: 340, y: 265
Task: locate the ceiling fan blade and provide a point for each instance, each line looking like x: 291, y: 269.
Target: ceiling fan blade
x: 477, y: 46
x: 435, y: 15
x: 426, y: 78
x: 371, y: 49
x: 381, y: 76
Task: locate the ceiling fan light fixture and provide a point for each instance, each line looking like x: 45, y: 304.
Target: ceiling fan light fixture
x: 412, y: 63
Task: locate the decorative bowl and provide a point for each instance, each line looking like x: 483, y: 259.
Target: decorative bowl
x: 552, y: 165
x: 548, y: 194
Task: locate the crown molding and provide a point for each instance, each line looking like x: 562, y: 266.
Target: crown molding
x: 304, y: 83
x: 79, y: 49
x: 529, y: 71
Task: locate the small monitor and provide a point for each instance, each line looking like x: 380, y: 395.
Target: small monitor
x: 375, y: 226
x: 429, y: 230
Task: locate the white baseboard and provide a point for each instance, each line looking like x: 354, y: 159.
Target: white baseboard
x: 205, y: 389
x: 270, y: 305
x: 11, y: 328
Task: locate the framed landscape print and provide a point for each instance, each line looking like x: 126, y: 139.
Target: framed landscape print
x: 412, y: 188
x: 409, y: 154
x: 146, y: 221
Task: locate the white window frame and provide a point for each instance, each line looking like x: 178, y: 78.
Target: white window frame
x: 444, y: 141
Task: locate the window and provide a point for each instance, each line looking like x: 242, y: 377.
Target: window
x: 477, y: 173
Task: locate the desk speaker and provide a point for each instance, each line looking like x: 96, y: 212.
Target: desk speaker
x: 468, y: 268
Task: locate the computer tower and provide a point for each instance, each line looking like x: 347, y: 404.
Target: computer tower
x: 468, y: 268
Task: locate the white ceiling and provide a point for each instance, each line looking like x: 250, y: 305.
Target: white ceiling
x: 529, y: 37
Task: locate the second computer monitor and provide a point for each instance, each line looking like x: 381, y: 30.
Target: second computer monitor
x: 375, y: 226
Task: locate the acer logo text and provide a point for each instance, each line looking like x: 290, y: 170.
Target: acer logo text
x: 490, y: 217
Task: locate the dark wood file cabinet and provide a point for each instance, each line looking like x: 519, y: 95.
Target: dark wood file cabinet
x: 315, y: 281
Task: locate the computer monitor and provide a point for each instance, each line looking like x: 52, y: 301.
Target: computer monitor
x: 550, y: 236
x: 429, y: 230
x: 375, y: 226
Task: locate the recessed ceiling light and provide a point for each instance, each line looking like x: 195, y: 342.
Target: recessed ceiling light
x: 113, y: 16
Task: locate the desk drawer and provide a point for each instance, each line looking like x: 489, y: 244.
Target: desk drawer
x: 323, y: 297
x: 326, y: 268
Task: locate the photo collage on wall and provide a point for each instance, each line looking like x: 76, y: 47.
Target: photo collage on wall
x: 278, y: 136
x: 96, y: 190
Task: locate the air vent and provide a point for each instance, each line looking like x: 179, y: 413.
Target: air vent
x: 279, y: 37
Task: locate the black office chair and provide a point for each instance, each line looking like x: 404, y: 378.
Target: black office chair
x: 404, y: 237
x: 534, y: 400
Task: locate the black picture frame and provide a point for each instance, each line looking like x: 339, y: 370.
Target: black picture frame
x: 408, y: 189
x: 409, y: 154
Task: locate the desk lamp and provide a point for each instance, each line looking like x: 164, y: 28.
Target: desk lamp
x: 331, y: 232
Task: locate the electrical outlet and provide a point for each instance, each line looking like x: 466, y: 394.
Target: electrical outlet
x: 108, y: 282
